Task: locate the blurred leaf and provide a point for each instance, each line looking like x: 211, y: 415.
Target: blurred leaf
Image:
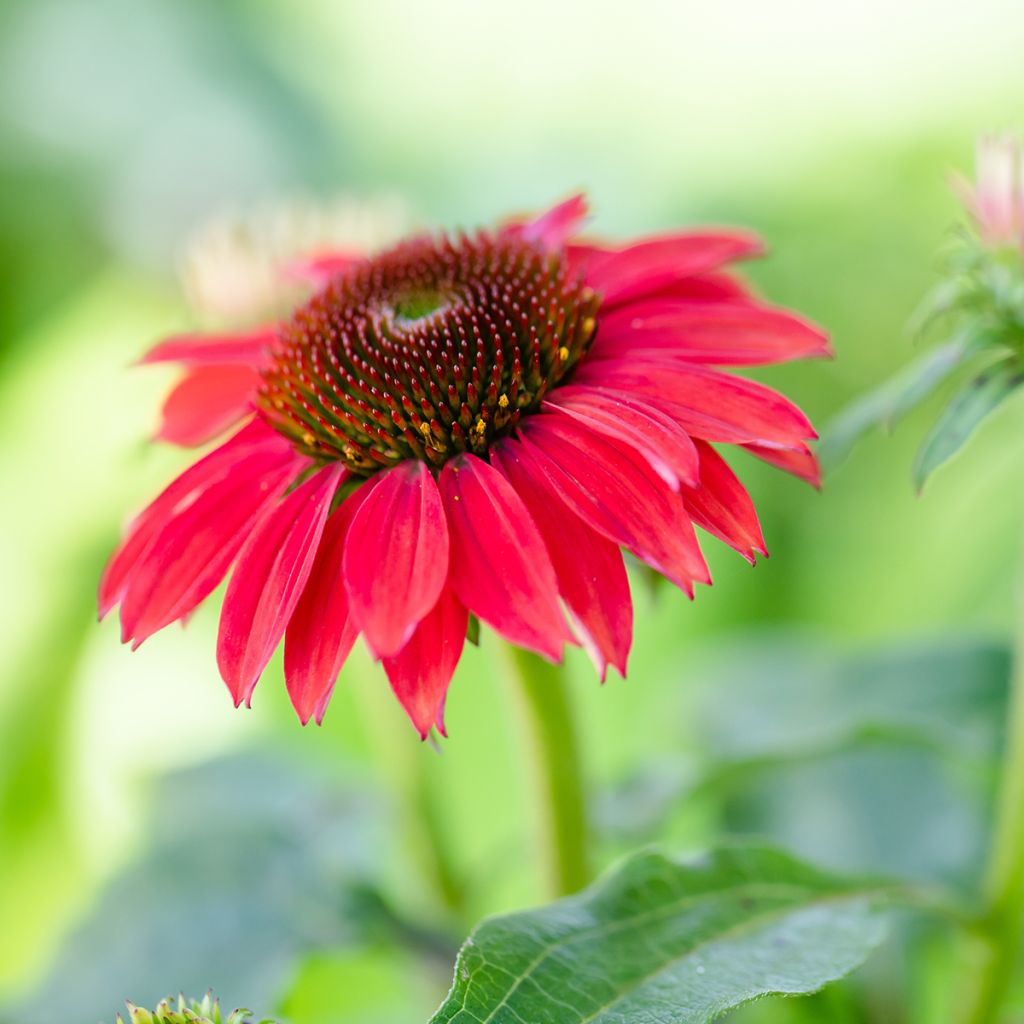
x: 637, y: 807
x: 378, y: 985
x: 965, y: 411
x: 252, y: 862
x: 661, y: 940
x: 887, y: 403
x: 877, y: 762
x: 946, y: 296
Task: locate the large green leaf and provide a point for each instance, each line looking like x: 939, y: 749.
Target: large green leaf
x: 668, y: 942
x: 964, y: 413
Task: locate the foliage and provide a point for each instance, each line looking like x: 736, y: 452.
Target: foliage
x: 668, y: 942
x: 979, y: 307
x: 251, y: 863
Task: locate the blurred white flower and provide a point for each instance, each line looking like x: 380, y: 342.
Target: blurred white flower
x: 236, y: 268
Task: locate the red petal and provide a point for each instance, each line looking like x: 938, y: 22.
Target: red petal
x: 421, y: 671
x: 321, y: 267
x: 192, y: 552
x: 272, y: 569
x: 554, y: 228
x: 710, y: 332
x: 716, y: 286
x: 206, y: 402
x: 614, y: 491
x: 396, y: 556
x: 181, y: 491
x: 706, y: 403
x: 656, y: 262
x: 668, y: 449
x: 251, y: 349
x: 722, y: 506
x: 800, y: 461
x: 321, y: 633
x: 591, y: 575
x: 500, y: 568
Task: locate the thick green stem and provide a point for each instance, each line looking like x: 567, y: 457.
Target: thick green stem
x: 1002, y: 924
x: 556, y: 765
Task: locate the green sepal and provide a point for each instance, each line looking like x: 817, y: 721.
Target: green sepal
x: 895, y: 398
x: 966, y: 410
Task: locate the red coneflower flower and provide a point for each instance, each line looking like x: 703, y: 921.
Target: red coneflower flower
x: 462, y: 425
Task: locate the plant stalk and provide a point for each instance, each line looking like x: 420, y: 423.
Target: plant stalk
x: 1001, y: 925
x: 555, y: 760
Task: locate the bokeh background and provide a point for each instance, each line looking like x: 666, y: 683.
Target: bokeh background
x: 152, y: 837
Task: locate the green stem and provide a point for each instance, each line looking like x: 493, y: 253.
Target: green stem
x: 556, y: 765
x: 425, y: 807
x: 1002, y: 923
x: 412, y: 769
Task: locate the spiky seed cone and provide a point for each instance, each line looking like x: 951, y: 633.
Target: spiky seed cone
x: 185, y: 1011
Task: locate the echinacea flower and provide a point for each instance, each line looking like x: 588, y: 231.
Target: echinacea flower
x: 463, y: 425
x: 234, y: 268
x: 977, y: 309
x: 996, y: 200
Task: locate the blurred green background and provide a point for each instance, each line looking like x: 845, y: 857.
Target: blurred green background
x: 125, y: 125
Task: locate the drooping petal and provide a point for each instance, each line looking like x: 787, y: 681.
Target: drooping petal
x: 195, y: 547
x: 656, y: 262
x: 179, y: 493
x: 272, y: 569
x: 251, y: 349
x: 421, y: 671
x: 726, y: 334
x: 319, y: 268
x: 668, y: 449
x: 500, y: 569
x: 553, y: 228
x: 396, y: 556
x: 591, y: 575
x: 722, y: 506
x: 321, y: 632
x: 706, y: 403
x: 615, y: 492
x: 206, y: 402
x: 800, y: 461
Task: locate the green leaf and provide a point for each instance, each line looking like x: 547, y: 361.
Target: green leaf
x: 668, y: 942
x: 965, y: 411
x: 893, y: 399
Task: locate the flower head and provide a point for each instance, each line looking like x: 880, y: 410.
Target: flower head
x: 996, y: 201
x: 462, y: 425
x: 184, y: 1011
x: 977, y: 310
x: 234, y: 268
